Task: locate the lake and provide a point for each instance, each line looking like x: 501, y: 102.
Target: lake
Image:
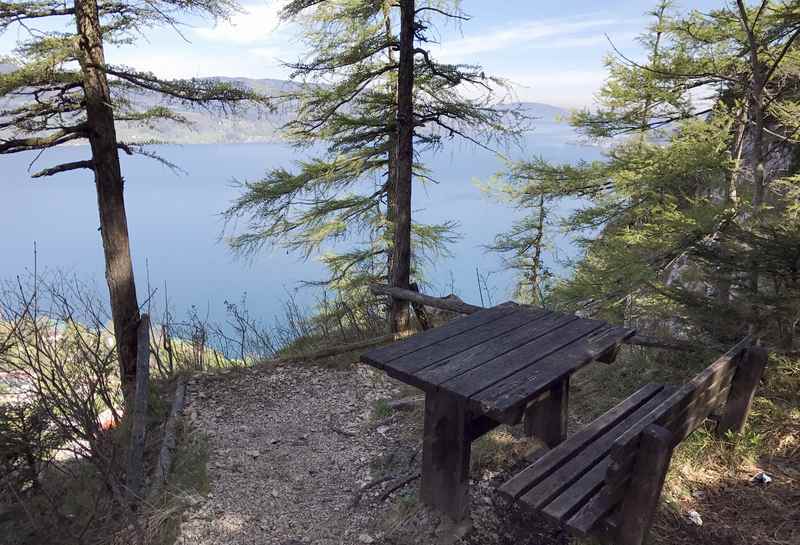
x: 175, y: 222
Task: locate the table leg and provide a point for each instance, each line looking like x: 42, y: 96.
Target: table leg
x: 546, y: 418
x: 445, y: 456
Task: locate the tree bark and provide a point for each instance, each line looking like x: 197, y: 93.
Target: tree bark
x: 758, y: 82
x: 391, y: 203
x: 109, y: 185
x: 401, y: 266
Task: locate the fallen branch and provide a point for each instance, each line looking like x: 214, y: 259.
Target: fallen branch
x: 372, y: 484
x: 660, y: 342
x: 413, y: 457
x: 405, y: 404
x: 466, y: 308
x: 340, y: 431
x: 398, y: 486
x: 416, y: 297
x: 168, y: 444
x: 336, y: 350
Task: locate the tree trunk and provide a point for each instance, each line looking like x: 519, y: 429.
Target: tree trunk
x: 391, y: 160
x: 401, y: 266
x: 109, y: 185
x: 391, y: 203
x: 758, y: 82
x: 758, y: 159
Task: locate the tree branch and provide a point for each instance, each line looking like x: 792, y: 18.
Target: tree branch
x: 76, y: 165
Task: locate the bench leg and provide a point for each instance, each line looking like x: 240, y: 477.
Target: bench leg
x: 546, y: 418
x: 743, y: 388
x: 445, y: 456
x: 644, y: 490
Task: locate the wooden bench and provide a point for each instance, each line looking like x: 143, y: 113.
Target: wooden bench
x: 606, y: 479
x: 496, y: 365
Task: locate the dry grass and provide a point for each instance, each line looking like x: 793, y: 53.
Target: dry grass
x: 710, y: 475
x: 187, y: 481
x: 498, y: 450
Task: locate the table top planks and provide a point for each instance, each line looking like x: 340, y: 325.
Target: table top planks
x: 498, y: 358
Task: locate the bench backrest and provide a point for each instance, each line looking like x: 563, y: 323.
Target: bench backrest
x: 683, y: 411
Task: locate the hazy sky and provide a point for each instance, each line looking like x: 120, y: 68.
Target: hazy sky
x: 552, y: 51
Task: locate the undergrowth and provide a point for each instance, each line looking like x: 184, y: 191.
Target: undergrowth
x: 709, y: 474
x: 188, y: 481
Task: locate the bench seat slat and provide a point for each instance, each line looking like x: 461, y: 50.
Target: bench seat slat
x: 680, y: 424
x: 599, y: 505
x: 554, y: 458
x: 555, y: 482
x: 619, y: 465
x: 574, y: 497
x: 703, y: 386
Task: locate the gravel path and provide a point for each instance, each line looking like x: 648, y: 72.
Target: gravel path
x: 290, y: 448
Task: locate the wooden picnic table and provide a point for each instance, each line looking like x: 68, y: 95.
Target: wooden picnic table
x: 492, y: 367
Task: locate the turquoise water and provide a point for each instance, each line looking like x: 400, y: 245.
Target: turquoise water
x: 175, y: 224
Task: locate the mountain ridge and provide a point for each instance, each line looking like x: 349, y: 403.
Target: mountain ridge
x: 246, y: 124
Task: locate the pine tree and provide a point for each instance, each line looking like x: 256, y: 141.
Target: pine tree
x: 688, y: 221
x: 401, y: 249
x: 62, y: 91
x: 348, y: 103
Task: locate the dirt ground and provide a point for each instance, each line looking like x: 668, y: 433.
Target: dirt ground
x: 312, y: 454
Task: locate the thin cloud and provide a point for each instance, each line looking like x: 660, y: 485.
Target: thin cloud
x: 257, y: 23
x: 566, y: 88
x: 587, y: 41
x: 189, y: 65
x: 542, y: 33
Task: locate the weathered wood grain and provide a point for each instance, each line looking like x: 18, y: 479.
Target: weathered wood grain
x: 416, y: 297
x: 532, y: 333
x: 546, y: 417
x: 380, y: 357
x: 465, y: 308
x: 555, y: 458
x: 743, y: 388
x: 527, y: 356
x: 528, y: 382
x: 134, y: 480
x: 703, y: 384
x: 641, y: 498
x: 445, y: 456
x: 406, y: 367
x: 169, y: 440
x: 589, y: 517
x: 559, y: 480
x: 573, y: 498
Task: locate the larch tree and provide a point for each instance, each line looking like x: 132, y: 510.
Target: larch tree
x: 401, y: 266
x: 61, y: 90
x: 688, y: 221
x: 368, y: 120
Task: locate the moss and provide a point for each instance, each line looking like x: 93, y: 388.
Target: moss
x: 380, y: 410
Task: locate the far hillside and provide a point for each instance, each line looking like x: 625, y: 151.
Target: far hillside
x: 249, y: 125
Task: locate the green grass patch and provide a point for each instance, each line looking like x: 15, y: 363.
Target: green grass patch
x: 381, y: 410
